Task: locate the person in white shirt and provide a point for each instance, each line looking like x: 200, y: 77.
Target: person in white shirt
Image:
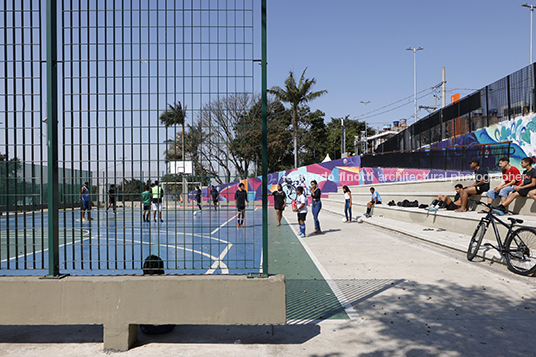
x: 347, y: 203
x: 301, y: 209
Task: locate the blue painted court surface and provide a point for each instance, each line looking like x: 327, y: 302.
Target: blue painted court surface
x: 206, y: 242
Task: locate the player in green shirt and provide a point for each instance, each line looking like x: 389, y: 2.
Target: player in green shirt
x: 146, y: 197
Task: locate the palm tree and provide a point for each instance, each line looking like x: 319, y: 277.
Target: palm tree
x: 172, y: 116
x: 296, y: 95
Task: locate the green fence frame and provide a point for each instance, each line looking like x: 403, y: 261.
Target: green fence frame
x: 65, y: 28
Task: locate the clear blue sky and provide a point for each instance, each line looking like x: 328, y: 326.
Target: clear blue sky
x: 356, y: 50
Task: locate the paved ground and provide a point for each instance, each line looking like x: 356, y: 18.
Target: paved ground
x: 354, y: 290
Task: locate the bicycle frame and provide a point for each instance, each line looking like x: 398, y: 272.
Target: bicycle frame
x: 490, y: 219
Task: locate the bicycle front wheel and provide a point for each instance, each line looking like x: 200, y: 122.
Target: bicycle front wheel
x: 476, y: 240
x: 521, y: 251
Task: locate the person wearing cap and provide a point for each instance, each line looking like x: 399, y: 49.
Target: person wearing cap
x: 84, y: 196
x: 481, y: 185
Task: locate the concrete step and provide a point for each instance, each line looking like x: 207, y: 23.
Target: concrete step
x: 522, y: 205
x: 428, y: 233
x: 456, y: 222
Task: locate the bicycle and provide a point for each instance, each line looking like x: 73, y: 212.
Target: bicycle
x: 519, y: 247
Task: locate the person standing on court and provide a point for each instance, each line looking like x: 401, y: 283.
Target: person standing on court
x: 84, y: 196
x: 146, y: 198
x: 280, y: 201
x: 158, y: 194
x: 301, y: 210
x: 111, y: 198
x: 317, y: 205
x: 198, y: 197
x: 215, y: 196
x: 347, y: 203
x: 241, y: 202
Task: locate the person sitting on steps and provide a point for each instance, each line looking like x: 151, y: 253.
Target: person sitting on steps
x: 510, y: 179
x: 528, y: 184
x: 444, y: 201
x: 481, y: 185
x: 376, y: 200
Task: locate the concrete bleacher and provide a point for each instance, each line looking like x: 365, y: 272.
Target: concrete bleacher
x: 424, y: 192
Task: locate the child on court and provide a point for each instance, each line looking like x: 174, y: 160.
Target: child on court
x: 301, y: 210
x: 241, y: 201
x: 146, y: 198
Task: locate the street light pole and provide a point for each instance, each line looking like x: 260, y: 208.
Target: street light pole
x: 415, y: 49
x: 343, y: 139
x: 366, y: 144
x: 531, y: 7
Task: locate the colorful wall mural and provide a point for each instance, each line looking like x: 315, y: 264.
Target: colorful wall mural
x: 330, y: 176
x: 337, y: 173
x: 521, y: 132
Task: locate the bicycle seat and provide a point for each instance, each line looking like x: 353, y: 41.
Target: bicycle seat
x: 515, y: 220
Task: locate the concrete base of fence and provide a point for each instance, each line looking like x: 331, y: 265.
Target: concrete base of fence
x: 120, y: 303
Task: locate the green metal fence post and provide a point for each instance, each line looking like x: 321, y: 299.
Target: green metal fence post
x: 52, y: 141
x: 264, y: 148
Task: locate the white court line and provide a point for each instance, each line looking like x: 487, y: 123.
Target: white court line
x: 220, y: 227
x: 219, y: 261
x: 178, y: 247
x: 348, y: 308
x: 46, y: 249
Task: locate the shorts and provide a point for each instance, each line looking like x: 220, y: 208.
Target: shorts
x: 146, y: 206
x: 111, y: 200
x: 240, y: 208
x: 157, y: 206
x: 525, y: 191
x: 279, y: 207
x: 504, y: 192
x: 377, y: 203
x: 301, y: 216
x: 451, y: 206
x: 215, y: 201
x: 85, y: 205
x: 479, y: 189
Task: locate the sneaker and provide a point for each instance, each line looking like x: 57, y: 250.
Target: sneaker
x: 161, y: 220
x: 501, y: 208
x: 429, y: 207
x: 432, y: 209
x: 238, y: 224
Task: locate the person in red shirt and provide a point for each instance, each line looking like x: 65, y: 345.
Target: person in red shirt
x: 511, y: 178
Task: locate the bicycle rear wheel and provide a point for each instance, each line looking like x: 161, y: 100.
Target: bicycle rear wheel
x: 521, y: 251
x: 476, y: 240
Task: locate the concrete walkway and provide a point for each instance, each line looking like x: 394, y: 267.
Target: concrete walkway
x: 355, y: 290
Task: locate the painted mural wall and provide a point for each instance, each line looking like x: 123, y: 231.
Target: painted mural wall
x: 337, y: 173
x: 330, y: 176
x: 520, y: 131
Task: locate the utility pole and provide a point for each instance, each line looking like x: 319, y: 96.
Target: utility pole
x: 415, y: 49
x: 531, y: 100
x: 444, y: 91
x: 343, y: 139
x: 364, y: 144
